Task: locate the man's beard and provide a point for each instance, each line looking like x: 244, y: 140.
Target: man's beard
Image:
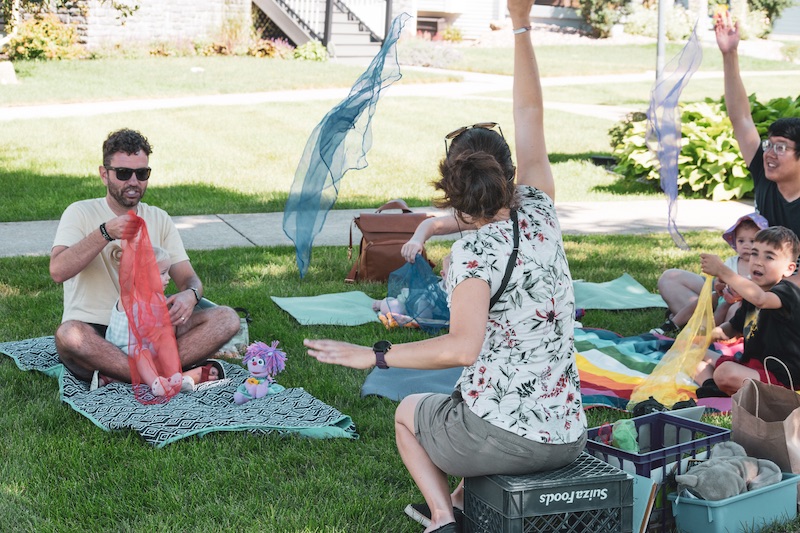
x: 121, y: 199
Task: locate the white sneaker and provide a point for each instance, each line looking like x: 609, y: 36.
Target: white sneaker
x: 95, y: 383
x: 187, y: 384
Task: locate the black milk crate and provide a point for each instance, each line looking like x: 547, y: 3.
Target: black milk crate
x: 588, y: 495
x: 667, y: 445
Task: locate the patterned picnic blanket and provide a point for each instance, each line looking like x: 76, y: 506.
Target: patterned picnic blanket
x: 209, y: 408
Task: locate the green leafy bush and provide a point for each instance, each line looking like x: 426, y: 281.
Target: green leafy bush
x: 772, y: 8
x: 422, y: 51
x: 755, y: 25
x: 601, y: 15
x: 277, y: 48
x: 710, y: 164
x: 44, y: 37
x: 311, y: 51
x: 791, y: 52
x: 452, y: 34
x: 642, y: 20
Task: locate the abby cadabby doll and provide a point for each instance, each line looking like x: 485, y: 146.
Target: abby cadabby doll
x: 264, y: 363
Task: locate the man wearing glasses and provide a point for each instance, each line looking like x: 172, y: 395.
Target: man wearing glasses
x: 85, y: 258
x: 774, y: 162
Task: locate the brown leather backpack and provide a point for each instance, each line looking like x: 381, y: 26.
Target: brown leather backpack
x: 383, y: 235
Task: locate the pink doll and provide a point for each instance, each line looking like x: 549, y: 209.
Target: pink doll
x: 264, y: 363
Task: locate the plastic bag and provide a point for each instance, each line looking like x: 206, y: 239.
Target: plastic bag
x: 672, y: 379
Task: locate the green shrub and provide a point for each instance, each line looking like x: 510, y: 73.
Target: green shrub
x: 756, y: 25
x: 772, y: 8
x: 44, y: 37
x: 641, y: 20
x: 791, y: 52
x: 311, y: 51
x: 277, y: 48
x: 452, y: 34
x: 422, y: 51
x: 601, y: 15
x: 710, y: 164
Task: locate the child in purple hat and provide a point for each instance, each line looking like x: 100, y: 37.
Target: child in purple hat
x: 680, y: 288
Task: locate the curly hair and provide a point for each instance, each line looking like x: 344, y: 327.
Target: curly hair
x: 477, y: 176
x: 788, y: 127
x: 127, y: 141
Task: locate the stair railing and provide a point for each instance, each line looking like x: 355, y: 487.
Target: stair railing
x: 307, y: 15
x: 316, y: 16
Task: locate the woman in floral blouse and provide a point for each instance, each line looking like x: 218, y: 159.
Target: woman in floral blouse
x: 517, y: 405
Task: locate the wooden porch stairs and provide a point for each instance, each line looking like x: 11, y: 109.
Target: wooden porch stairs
x: 350, y: 38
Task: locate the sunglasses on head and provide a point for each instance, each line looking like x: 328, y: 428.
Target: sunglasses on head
x: 455, y: 133
x: 124, y: 174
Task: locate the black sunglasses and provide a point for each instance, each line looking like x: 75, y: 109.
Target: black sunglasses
x: 455, y: 133
x: 124, y: 174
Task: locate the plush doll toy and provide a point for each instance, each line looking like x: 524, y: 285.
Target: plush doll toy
x: 264, y: 363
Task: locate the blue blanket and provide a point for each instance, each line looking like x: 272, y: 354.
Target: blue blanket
x: 209, y: 408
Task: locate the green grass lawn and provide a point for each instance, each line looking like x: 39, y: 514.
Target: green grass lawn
x: 571, y: 60
x: 242, y: 159
x: 60, y: 472
x: 637, y: 95
x: 164, y: 77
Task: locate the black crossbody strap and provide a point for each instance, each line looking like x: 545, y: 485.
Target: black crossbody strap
x: 512, y: 261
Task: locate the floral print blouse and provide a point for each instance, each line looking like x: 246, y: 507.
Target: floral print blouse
x: 525, y: 379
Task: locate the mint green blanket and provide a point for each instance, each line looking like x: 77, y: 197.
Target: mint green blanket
x: 621, y: 293
x: 355, y: 308
x: 340, y: 309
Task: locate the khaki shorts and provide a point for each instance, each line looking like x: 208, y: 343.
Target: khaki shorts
x: 462, y: 444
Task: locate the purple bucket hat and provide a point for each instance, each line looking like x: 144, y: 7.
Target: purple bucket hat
x: 730, y: 233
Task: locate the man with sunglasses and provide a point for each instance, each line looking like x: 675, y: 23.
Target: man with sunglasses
x: 85, y: 258
x: 773, y: 162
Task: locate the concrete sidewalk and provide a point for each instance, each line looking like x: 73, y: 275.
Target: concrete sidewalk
x: 205, y: 232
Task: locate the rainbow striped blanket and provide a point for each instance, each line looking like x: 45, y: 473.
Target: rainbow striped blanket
x: 610, y: 367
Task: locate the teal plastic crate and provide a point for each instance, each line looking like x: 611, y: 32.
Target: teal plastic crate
x: 744, y: 513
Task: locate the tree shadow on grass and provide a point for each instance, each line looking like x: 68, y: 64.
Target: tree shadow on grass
x: 30, y: 195
x: 620, y: 186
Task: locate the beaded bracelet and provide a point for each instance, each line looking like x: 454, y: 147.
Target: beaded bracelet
x: 104, y: 232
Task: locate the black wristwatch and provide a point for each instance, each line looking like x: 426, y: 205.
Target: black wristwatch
x: 196, y: 293
x: 380, y: 348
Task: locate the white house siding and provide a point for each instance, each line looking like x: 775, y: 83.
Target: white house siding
x: 472, y: 17
x: 167, y: 20
x: 789, y: 23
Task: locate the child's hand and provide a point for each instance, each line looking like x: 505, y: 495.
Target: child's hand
x: 718, y: 334
x: 711, y: 264
x: 730, y: 295
x: 719, y: 286
x: 410, y: 250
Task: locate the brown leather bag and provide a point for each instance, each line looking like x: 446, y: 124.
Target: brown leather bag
x: 383, y: 235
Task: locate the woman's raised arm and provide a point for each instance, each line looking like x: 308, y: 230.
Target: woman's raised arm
x: 533, y: 166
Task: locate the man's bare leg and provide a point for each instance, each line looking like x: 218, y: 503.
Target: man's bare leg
x: 204, y: 334
x: 83, y: 350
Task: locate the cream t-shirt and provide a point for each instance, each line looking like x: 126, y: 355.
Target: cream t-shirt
x: 90, y: 295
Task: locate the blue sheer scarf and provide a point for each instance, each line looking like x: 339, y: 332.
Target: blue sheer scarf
x: 339, y: 143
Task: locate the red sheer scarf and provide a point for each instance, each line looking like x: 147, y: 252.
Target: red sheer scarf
x: 152, y: 345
